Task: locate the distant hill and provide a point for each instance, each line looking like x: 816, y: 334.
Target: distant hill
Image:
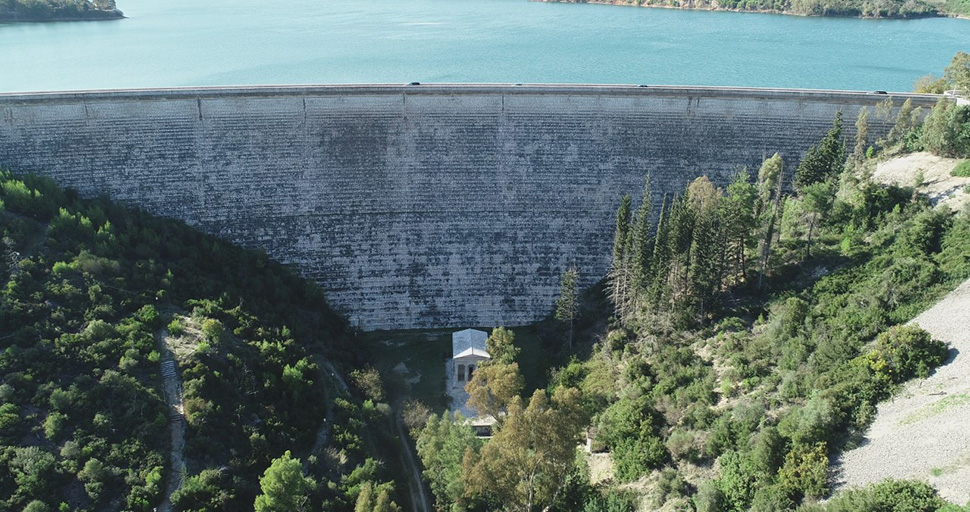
x: 58, y: 10
x: 846, y: 8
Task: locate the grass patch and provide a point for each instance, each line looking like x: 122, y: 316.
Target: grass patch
x: 936, y: 408
x: 962, y: 170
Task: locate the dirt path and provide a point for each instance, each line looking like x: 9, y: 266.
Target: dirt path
x: 176, y: 414
x: 923, y: 433
x: 419, y: 498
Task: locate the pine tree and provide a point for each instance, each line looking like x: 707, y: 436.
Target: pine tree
x: 284, y: 487
x: 825, y: 159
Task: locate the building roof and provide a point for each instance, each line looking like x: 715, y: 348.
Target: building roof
x: 469, y: 342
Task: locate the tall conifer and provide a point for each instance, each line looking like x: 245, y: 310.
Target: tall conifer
x: 640, y: 247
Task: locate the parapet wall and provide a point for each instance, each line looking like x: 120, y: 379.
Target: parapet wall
x: 414, y: 206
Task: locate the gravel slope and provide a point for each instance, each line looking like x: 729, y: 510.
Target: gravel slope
x: 938, y: 184
x: 924, y: 432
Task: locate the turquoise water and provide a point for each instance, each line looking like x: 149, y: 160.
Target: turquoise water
x: 223, y: 42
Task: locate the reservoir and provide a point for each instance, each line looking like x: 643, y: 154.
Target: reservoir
x: 167, y: 43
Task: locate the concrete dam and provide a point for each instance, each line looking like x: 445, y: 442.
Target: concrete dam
x: 420, y: 205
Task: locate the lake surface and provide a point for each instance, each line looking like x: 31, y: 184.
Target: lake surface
x: 221, y: 42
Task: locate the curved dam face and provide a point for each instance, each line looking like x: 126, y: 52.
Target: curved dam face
x: 415, y: 206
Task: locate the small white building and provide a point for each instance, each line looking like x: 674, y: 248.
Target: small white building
x: 467, y: 351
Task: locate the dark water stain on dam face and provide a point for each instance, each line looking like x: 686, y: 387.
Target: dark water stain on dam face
x: 414, y: 206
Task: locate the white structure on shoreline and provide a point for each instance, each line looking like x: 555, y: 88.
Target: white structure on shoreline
x: 467, y: 351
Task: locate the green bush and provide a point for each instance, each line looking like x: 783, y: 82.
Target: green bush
x: 635, y: 457
x: 710, y: 498
x: 904, y: 352
x: 175, y: 327
x: 962, y: 170
x: 805, y: 472
x: 946, y: 131
x: 888, y: 496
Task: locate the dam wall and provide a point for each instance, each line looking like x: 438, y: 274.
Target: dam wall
x: 415, y: 206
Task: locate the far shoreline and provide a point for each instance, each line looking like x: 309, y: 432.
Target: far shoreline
x: 8, y: 21
x: 622, y: 3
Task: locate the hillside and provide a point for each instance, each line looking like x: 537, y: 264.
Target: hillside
x: 131, y: 345
x: 58, y: 10
x: 921, y: 433
x: 744, y: 338
x: 846, y: 8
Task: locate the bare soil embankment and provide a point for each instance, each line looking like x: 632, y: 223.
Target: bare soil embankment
x: 924, y: 432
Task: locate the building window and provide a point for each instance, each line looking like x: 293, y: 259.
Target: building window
x: 461, y: 373
x: 471, y: 368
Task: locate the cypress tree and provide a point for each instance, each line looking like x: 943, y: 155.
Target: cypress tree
x: 680, y: 237
x: 622, y: 231
x: 770, y: 175
x: 660, y: 260
x: 619, y: 273
x: 707, y: 247
x: 640, y: 247
x: 825, y: 159
x: 861, y: 134
x: 737, y: 219
x: 904, y: 123
x: 567, y: 305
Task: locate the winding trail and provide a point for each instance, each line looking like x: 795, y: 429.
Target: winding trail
x: 923, y: 433
x: 172, y: 386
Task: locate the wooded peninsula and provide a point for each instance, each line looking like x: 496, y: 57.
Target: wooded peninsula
x: 58, y: 10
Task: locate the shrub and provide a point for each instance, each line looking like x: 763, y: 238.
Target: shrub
x: 175, y: 327
x: 368, y: 382
x: 709, y: 498
x: 213, y: 331
x: 805, y: 473
x: 810, y: 423
x: 685, y: 444
x: 904, y: 352
x: 889, y: 495
x: 612, y: 502
x: 634, y: 457
x: 737, y: 480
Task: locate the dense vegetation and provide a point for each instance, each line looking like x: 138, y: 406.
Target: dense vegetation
x: 58, y: 10
x: 753, y: 330
x: 89, y: 289
x: 956, y: 76
x: 852, y: 8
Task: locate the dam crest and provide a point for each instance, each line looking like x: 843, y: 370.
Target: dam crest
x: 421, y: 205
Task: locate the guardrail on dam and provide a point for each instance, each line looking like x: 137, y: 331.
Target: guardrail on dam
x: 414, y: 206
